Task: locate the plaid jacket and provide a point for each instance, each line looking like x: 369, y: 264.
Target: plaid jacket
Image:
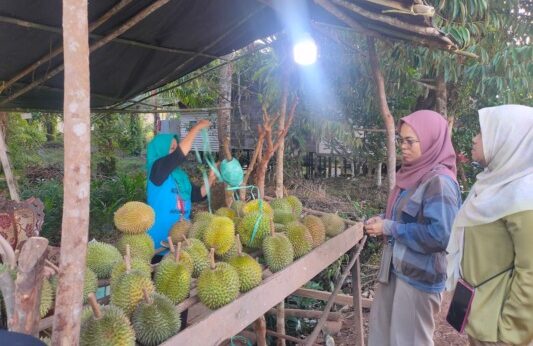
x: 420, y: 230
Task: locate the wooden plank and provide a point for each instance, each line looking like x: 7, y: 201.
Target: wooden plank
x: 313, y: 314
x: 341, y: 299
x: 234, y: 317
x: 357, y: 304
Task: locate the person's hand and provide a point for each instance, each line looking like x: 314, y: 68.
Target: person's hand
x: 212, y: 177
x: 374, y: 226
x: 202, y: 124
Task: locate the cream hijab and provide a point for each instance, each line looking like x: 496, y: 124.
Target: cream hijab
x: 505, y: 186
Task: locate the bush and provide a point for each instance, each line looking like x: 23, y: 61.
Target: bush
x: 106, y: 197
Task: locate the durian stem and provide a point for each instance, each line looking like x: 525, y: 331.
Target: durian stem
x: 178, y: 252
x: 171, y: 244
x: 187, y: 241
x: 147, y: 297
x: 94, y: 305
x: 239, y: 245
x: 212, y: 258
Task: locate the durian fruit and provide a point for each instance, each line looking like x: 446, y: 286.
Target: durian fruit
x: 199, y: 255
x: 334, y: 224
x: 229, y: 254
x: 197, y: 229
x: 279, y: 227
x: 134, y: 218
x: 101, y: 258
x: 250, y: 272
x: 107, y: 326
x: 180, y: 229
x: 281, y: 204
x: 237, y: 205
x: 227, y: 212
x: 296, y: 205
x: 184, y: 257
x: 254, y: 205
x: 47, y: 298
x: 128, y: 289
x: 300, y: 238
x: 245, y: 229
x: 155, y: 319
x: 173, y: 278
x: 220, y: 234
x: 218, y: 284
x: 90, y: 284
x: 283, y: 217
x: 141, y: 245
x: 278, y: 251
x: 316, y: 229
x: 203, y: 215
x: 137, y: 264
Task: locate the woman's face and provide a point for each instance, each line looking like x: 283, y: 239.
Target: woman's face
x: 173, y: 146
x: 409, y: 144
x: 477, y: 150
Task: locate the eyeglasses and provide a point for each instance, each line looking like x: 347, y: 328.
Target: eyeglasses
x: 409, y: 141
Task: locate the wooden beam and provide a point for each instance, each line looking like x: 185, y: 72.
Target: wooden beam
x: 341, y: 299
x: 234, y: 317
x: 77, y: 175
x: 357, y: 304
x: 28, y: 286
x: 286, y: 337
x: 310, y: 340
x: 49, y: 56
x: 98, y: 44
x: 6, y: 165
x: 312, y: 314
x: 389, y: 20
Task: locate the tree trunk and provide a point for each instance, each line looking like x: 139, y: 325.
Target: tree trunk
x: 6, y: 165
x: 386, y: 115
x: 281, y: 125
x: 378, y: 174
x: 77, y: 137
x: 441, y: 102
x: 224, y: 116
x: 260, y: 175
x: 28, y: 286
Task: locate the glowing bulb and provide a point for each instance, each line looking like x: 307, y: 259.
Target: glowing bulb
x: 305, y: 51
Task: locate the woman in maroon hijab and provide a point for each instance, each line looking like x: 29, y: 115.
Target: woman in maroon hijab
x: 417, y: 225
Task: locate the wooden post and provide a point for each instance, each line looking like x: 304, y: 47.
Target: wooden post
x: 77, y: 136
x: 357, y: 304
x: 378, y: 174
x: 28, y: 286
x: 281, y: 124
x: 11, y: 184
x: 224, y: 115
x: 310, y: 340
x: 384, y: 111
x: 280, y: 322
x: 260, y: 331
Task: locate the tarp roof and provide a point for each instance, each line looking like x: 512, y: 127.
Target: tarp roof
x: 174, y: 40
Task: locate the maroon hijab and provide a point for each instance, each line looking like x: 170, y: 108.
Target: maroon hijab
x: 438, y: 155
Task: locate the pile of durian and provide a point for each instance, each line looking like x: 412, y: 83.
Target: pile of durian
x: 219, y: 254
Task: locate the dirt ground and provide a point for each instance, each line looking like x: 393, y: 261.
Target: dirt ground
x: 444, y: 334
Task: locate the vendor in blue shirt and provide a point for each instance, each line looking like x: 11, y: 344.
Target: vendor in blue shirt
x: 169, y: 191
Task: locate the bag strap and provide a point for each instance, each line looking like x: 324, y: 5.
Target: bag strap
x: 493, y: 277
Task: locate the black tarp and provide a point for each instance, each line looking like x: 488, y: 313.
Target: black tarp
x: 120, y: 71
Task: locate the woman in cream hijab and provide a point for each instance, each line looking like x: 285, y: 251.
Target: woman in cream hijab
x: 491, y: 246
